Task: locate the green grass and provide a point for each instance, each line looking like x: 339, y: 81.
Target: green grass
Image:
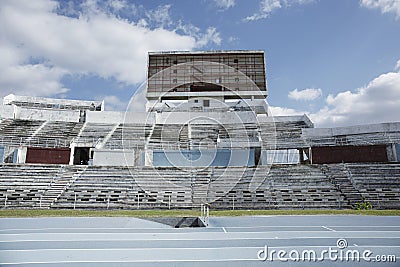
x: 181, y: 213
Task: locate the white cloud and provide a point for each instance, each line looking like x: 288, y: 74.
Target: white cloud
x: 306, y: 94
x: 386, y: 6
x: 225, y: 4
x: 138, y: 101
x: 210, y: 36
x: 269, y: 6
x: 117, y: 5
x: 233, y: 39
x: 39, y: 42
x: 112, y: 102
x: 376, y: 102
x: 379, y: 101
x: 397, y: 66
x: 282, y: 111
x: 160, y: 16
x: 29, y: 79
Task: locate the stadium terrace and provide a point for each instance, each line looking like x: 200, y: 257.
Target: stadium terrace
x: 206, y: 137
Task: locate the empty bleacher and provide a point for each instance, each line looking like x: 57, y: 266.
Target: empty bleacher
x: 377, y: 183
x: 283, y: 187
x: 280, y: 187
x: 56, y: 134
x: 167, y: 136
x: 22, y: 186
x: 93, y: 133
x: 282, y: 135
x: 129, y: 136
x: 204, y: 135
x: 17, y: 132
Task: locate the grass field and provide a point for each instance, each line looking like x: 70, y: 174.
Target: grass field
x: 182, y: 213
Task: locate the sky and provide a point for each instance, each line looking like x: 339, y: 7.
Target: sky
x: 338, y: 61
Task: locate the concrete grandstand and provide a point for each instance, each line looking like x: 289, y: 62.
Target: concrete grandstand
x: 206, y: 136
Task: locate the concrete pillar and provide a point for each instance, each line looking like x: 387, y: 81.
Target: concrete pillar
x: 148, y: 161
x: 391, y: 153
x: 21, y: 155
x: 71, y: 157
x: 301, y: 156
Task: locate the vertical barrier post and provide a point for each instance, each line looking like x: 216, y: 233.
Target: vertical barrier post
x: 5, y: 201
x: 75, y: 201
x: 169, y: 202
x: 207, y: 214
x: 108, y: 202
x: 233, y: 202
x: 138, y: 198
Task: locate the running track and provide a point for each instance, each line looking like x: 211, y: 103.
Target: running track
x: 228, y: 241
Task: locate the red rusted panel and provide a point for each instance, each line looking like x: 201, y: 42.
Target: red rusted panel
x: 338, y: 154
x: 59, y: 155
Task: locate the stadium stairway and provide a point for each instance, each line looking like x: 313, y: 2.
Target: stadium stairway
x: 377, y: 183
x: 340, y: 177
x: 22, y: 185
x: 60, y: 183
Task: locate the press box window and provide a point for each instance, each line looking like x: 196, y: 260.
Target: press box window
x: 206, y: 103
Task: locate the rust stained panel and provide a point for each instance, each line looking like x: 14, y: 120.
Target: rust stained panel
x: 338, y: 154
x: 48, y: 155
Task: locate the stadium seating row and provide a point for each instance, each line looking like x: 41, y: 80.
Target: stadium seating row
x: 281, y: 186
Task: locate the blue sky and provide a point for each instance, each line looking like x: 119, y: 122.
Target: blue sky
x: 338, y: 61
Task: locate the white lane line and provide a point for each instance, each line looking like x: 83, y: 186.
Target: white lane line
x: 190, y: 239
x: 151, y: 248
x: 327, y: 228
x: 126, y: 261
x: 139, y: 261
x: 179, y: 229
x: 374, y: 234
x: 184, y: 248
x: 223, y: 228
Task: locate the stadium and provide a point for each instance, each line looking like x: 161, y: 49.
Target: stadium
x: 207, y: 137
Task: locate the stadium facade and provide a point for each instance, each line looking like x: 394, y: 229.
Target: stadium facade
x: 207, y: 136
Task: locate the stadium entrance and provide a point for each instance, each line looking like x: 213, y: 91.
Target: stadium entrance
x: 81, y: 155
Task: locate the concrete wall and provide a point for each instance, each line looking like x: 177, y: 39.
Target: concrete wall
x: 206, y: 157
x: 119, y: 117
x: 351, y: 130
x: 6, y: 112
x: 206, y: 117
x: 47, y: 115
x: 10, y: 99
x: 268, y: 119
x: 108, y: 157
